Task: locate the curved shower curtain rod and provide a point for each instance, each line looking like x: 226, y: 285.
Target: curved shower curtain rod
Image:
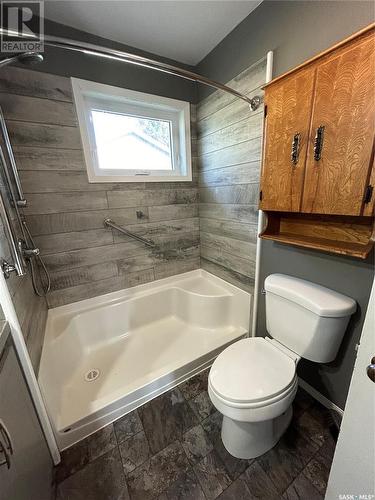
x: 128, y: 57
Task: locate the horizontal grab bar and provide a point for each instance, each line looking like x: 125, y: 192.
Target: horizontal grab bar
x: 109, y: 223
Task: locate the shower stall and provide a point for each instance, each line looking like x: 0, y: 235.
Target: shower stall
x: 144, y: 286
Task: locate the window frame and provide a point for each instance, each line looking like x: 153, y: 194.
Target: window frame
x: 90, y: 95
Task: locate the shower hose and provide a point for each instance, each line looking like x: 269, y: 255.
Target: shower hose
x: 44, y: 286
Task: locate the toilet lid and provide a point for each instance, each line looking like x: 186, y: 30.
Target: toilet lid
x: 251, y: 370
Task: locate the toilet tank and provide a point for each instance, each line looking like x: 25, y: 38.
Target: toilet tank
x: 308, y: 319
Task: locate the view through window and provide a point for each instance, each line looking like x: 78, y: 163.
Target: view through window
x: 132, y: 142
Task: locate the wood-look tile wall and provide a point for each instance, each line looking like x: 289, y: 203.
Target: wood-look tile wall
x: 65, y: 212
x: 31, y: 310
x: 229, y: 137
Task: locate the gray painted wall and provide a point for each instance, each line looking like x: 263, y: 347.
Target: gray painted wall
x: 296, y: 31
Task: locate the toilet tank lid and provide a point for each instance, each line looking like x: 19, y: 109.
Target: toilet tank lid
x: 318, y: 299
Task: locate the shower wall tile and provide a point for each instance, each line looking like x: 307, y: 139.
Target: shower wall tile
x: 62, y: 242
x: 78, y: 221
x: 65, y: 212
x: 166, y: 269
x: 231, y: 245
x: 35, y: 84
x: 31, y: 310
x: 154, y: 229
x: 113, y: 284
x: 229, y: 139
x: 232, y: 155
x: 244, y: 130
x: 229, y: 212
x: 44, y: 203
x: 31, y: 109
x: 86, y: 274
x: 226, y: 115
x: 43, y: 136
x: 245, y: 173
x: 48, y: 159
x: 170, y: 212
x: 237, y: 194
x: 242, y: 265
x: 245, y: 82
x: 228, y: 274
x: 134, y: 198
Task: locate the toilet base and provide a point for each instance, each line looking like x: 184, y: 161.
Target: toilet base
x: 251, y: 439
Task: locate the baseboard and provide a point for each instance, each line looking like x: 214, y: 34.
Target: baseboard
x: 319, y: 397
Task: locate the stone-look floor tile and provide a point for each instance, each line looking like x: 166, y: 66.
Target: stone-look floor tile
x: 196, y: 444
x: 194, y: 385
x: 236, y: 491
x: 127, y: 426
x: 158, y: 473
x: 317, y: 471
x: 134, y: 451
x: 212, y: 425
x: 202, y: 405
x: 310, y: 428
x: 281, y: 465
x: 302, y: 402
x: 328, y: 448
x: 235, y: 466
x: 72, y: 460
x: 260, y: 486
x: 102, y: 479
x: 212, y: 475
x: 101, y: 442
x: 301, y: 488
x: 297, y: 444
x: 166, y: 418
x: 186, y: 487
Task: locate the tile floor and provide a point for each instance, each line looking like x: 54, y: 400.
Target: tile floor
x: 170, y: 449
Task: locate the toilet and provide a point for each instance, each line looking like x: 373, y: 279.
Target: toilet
x: 253, y: 382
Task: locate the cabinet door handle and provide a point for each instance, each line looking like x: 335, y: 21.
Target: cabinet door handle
x: 296, y: 142
x: 6, y: 459
x: 318, y: 143
x: 4, y: 433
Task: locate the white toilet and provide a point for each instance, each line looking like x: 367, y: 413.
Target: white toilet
x: 253, y: 382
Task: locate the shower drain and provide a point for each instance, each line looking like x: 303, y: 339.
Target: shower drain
x: 92, y: 375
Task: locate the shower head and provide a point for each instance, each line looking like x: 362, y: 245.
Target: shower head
x: 27, y: 58
x: 30, y: 58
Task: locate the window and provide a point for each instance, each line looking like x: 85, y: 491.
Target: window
x: 131, y: 136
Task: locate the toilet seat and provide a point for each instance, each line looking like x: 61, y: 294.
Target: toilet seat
x: 252, y: 373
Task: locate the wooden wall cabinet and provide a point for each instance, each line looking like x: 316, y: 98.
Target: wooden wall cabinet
x: 318, y: 177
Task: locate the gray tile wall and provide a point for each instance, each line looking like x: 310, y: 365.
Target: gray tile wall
x: 65, y: 212
x: 229, y: 139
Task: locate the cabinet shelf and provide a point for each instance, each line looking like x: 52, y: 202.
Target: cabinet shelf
x: 352, y: 236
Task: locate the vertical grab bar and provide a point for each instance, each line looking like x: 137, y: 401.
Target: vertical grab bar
x: 21, y: 202
x: 13, y: 245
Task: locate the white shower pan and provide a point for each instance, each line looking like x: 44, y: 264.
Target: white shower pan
x: 103, y: 357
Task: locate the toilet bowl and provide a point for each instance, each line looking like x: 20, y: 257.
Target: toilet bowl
x: 253, y: 382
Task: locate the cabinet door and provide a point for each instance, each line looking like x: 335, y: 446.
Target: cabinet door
x: 30, y: 474
x: 288, y: 104
x: 344, y: 104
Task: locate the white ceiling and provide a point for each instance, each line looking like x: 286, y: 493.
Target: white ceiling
x: 182, y: 30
